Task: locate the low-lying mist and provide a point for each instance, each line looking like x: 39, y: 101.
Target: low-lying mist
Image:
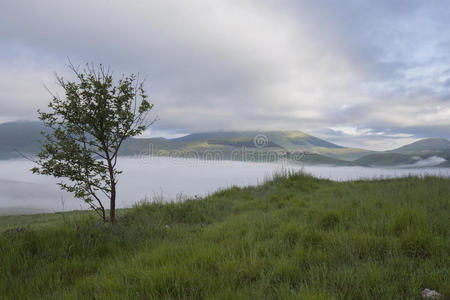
x: 22, y: 192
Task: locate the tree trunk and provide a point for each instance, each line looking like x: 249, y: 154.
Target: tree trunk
x: 112, y: 211
x: 112, y: 204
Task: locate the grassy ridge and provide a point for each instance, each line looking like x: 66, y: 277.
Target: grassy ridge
x: 293, y: 237
x: 386, y: 159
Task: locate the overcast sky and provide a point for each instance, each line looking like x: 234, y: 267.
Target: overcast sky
x: 374, y: 74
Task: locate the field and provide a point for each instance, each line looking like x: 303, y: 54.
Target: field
x: 294, y: 237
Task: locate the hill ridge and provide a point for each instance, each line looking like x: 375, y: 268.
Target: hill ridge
x: 24, y: 136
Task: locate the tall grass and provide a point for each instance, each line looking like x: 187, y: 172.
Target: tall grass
x: 292, y: 237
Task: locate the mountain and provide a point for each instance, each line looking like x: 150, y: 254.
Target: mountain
x: 288, y: 140
x: 246, y: 146
x: 263, y: 141
x: 237, y: 145
x: 426, y: 152
x: 425, y: 146
x: 19, y: 136
x: 385, y: 159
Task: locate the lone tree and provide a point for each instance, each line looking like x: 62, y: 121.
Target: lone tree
x: 86, y: 129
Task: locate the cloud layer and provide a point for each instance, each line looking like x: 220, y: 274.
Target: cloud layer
x: 354, y: 72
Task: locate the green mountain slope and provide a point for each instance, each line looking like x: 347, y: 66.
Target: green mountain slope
x: 241, y: 145
x: 287, y: 140
x: 411, y: 154
x: 246, y: 145
x: 425, y: 146
x: 19, y: 136
x: 385, y: 159
x: 350, y: 154
x: 269, y: 141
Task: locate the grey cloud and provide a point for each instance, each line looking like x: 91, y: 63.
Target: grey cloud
x: 447, y: 82
x: 211, y: 65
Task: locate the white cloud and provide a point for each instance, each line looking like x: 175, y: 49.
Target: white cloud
x: 364, y: 69
x: 353, y: 131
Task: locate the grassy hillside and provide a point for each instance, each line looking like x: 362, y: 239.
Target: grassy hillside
x: 425, y: 146
x: 389, y: 159
x: 235, y: 145
x: 445, y: 164
x: 239, y: 145
x: 279, y: 145
x: 386, y: 159
x: 274, y: 140
x: 290, y: 238
x: 288, y: 140
x: 349, y: 154
x: 22, y: 136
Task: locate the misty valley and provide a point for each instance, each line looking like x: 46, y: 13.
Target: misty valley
x: 169, y: 179
x: 295, y: 149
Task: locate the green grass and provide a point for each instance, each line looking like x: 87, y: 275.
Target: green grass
x: 386, y: 159
x: 294, y: 237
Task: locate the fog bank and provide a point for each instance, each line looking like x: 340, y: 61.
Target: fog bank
x: 22, y: 192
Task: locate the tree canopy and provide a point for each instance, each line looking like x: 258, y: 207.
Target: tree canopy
x: 86, y: 129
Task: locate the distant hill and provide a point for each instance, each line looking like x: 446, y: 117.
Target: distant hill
x: 242, y: 145
x: 385, y: 159
x: 21, y: 136
x: 445, y: 164
x: 425, y: 146
x: 426, y: 152
x: 246, y: 145
x: 229, y: 141
x: 288, y: 140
